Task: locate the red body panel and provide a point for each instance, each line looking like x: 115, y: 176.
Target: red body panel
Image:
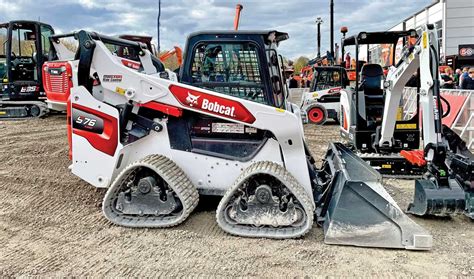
x: 57, y: 86
x: 166, y: 109
x: 130, y: 63
x: 211, y: 104
x: 106, y: 141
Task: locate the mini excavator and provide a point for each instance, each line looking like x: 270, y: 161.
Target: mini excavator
x: 371, y: 120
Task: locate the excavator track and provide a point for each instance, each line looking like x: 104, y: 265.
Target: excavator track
x: 392, y: 165
x: 266, y: 201
x: 153, y: 192
x: 17, y: 110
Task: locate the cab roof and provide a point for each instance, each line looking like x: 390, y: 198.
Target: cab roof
x: 386, y: 37
x: 23, y: 22
x: 279, y: 36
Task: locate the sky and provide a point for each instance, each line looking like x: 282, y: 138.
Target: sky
x: 181, y: 17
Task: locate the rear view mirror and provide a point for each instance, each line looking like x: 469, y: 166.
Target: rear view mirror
x: 30, y: 36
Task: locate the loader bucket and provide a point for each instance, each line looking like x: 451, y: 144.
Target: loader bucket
x: 438, y: 201
x: 358, y: 211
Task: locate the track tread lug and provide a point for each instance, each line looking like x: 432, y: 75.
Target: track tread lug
x: 290, y: 182
x: 176, y: 179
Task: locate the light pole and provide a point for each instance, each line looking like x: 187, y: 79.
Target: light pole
x: 318, y: 22
x: 158, y: 27
x: 331, y: 11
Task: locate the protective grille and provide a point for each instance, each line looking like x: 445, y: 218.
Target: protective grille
x: 231, y: 69
x: 57, y: 83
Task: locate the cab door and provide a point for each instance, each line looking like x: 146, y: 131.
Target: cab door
x: 44, y: 50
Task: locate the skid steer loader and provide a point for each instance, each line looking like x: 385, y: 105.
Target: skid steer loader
x: 388, y: 138
x: 322, y: 100
x: 224, y: 129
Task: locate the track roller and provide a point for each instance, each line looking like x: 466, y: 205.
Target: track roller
x: 266, y: 201
x: 153, y: 192
x: 16, y: 110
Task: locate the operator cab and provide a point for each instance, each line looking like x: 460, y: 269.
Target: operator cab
x: 242, y: 64
x: 25, y: 47
x: 330, y: 78
x: 362, y: 107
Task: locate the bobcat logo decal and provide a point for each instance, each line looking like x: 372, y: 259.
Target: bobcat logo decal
x: 192, y: 99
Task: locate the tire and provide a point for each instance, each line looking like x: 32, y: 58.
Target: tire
x: 317, y: 115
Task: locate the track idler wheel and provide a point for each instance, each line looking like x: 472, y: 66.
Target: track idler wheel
x: 153, y: 192
x: 266, y: 201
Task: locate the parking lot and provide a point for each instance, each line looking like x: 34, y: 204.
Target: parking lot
x: 51, y: 224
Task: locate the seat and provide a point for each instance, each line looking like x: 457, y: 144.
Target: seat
x: 371, y: 85
x: 371, y: 78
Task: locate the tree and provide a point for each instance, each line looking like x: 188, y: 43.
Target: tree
x: 300, y: 63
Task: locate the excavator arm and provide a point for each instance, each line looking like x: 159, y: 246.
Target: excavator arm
x: 424, y: 55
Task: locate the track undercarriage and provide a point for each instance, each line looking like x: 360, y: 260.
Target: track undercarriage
x: 13, y: 110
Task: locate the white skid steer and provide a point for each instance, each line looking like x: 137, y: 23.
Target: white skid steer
x: 225, y: 128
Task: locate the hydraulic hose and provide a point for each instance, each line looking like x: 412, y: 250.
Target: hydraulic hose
x: 448, y: 106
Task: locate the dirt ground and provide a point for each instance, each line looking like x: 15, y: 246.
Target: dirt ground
x: 51, y: 225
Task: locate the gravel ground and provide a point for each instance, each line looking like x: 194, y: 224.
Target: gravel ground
x: 51, y: 225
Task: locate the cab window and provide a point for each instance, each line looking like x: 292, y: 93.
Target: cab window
x: 326, y: 79
x: 46, y: 32
x: 23, y: 53
x: 23, y: 42
x: 3, y: 59
x: 229, y: 68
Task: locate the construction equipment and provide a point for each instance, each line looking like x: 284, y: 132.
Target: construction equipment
x: 142, y: 39
x: 25, y: 47
x: 389, y: 138
x: 322, y: 100
x: 58, y: 75
x: 224, y: 129
x: 362, y: 113
x: 176, y: 51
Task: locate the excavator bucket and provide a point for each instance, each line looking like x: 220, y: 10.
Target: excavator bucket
x: 356, y: 210
x: 438, y: 201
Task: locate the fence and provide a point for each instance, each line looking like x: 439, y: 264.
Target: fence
x: 460, y: 118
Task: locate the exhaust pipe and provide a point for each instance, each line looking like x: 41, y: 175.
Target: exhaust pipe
x: 238, y: 10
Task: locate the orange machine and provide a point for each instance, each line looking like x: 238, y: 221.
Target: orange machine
x: 175, y: 51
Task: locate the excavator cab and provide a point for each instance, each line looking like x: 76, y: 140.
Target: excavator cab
x: 25, y: 46
x: 362, y: 106
x: 388, y: 138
